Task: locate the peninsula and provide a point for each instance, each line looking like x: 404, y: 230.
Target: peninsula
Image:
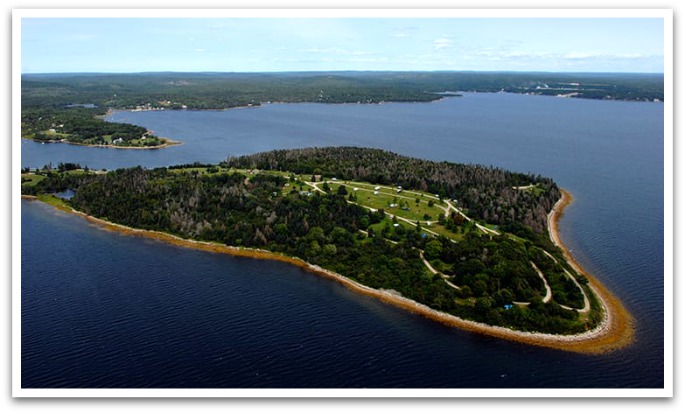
x: 79, y: 125
x: 466, y: 245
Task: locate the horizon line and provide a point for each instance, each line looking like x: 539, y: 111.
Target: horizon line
x: 340, y: 71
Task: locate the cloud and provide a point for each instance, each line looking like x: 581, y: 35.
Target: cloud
x: 498, y: 54
x: 442, y: 43
x: 199, y: 50
x: 630, y: 56
x: 314, y: 50
x: 581, y: 55
x: 403, y: 32
x: 336, y: 51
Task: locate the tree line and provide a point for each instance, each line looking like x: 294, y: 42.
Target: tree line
x: 487, y: 193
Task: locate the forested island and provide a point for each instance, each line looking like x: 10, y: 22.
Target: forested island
x: 462, y: 241
x: 68, y: 107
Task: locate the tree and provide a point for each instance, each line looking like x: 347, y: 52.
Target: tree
x: 342, y: 190
x: 465, y: 292
x: 316, y: 234
x: 341, y: 236
x: 313, y: 250
x: 433, y: 250
x: 483, y: 304
x: 329, y: 250
x: 479, y: 287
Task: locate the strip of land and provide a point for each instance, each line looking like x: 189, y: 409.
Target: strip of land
x: 167, y: 143
x: 615, y: 330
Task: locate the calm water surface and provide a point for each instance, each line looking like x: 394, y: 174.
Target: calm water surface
x: 105, y: 310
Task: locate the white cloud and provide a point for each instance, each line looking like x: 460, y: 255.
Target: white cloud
x: 199, y: 50
x: 581, y: 55
x: 314, y: 50
x: 630, y: 56
x: 497, y: 54
x: 367, y: 59
x: 403, y: 32
x: 336, y: 51
x: 442, y: 43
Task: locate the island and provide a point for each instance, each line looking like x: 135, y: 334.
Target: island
x: 466, y: 245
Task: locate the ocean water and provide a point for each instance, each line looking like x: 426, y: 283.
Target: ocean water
x: 106, y: 310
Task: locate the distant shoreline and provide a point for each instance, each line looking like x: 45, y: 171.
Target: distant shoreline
x: 614, y: 331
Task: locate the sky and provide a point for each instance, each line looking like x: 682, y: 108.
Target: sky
x: 59, y: 45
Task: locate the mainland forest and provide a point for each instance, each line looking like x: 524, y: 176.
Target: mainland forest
x: 69, y: 107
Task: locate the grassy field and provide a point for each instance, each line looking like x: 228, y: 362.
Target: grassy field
x: 54, y: 201
x: 409, y: 205
x: 56, y: 135
x: 31, y: 179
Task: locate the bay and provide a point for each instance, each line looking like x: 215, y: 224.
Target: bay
x: 216, y: 321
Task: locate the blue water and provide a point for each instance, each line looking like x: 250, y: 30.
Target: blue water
x: 105, y: 310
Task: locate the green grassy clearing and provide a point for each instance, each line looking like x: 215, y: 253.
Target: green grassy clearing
x: 399, y: 204
x: 31, y: 179
x: 58, y: 203
x: 56, y: 135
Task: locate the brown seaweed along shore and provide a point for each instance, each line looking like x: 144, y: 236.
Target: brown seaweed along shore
x: 615, y: 330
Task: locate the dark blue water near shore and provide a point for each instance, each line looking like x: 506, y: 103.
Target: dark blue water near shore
x: 105, y: 310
